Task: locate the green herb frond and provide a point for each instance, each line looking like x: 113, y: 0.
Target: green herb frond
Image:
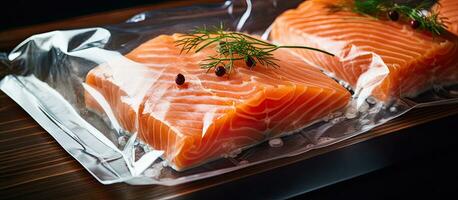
x: 421, y: 11
x: 371, y: 7
x: 230, y: 47
x: 428, y: 20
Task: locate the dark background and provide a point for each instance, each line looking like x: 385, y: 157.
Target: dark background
x: 18, y: 13
x: 413, y: 163
x: 425, y: 166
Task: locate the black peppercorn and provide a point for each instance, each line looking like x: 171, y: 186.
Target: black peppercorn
x: 414, y: 24
x: 220, y: 71
x: 393, y: 15
x: 250, y: 62
x: 179, y: 80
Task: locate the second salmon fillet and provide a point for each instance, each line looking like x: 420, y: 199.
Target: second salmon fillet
x: 387, y: 58
x: 448, y: 9
x: 210, y: 116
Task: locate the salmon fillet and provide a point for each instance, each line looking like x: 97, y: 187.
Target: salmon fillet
x: 209, y: 116
x: 449, y: 10
x: 384, y: 58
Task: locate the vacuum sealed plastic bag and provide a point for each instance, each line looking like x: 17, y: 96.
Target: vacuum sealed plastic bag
x: 384, y: 58
x: 111, y: 96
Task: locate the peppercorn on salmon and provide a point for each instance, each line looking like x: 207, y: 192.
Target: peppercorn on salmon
x: 208, y: 116
x: 379, y: 57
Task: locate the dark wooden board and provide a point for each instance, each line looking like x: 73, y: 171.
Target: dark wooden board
x: 33, y: 165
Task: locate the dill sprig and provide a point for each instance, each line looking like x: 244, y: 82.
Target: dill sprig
x: 427, y: 20
x: 232, y: 46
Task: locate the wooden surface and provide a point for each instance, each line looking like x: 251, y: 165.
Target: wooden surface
x: 33, y: 165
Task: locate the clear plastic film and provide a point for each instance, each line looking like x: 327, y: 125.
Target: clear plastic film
x: 49, y: 78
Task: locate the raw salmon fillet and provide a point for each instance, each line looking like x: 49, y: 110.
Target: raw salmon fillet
x: 209, y: 117
x: 382, y: 58
x: 449, y: 10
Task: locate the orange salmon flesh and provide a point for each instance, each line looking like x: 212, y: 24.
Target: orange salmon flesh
x: 448, y: 9
x: 389, y: 58
x: 209, y: 116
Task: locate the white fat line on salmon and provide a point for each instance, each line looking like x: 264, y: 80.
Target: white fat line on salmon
x: 257, y: 142
x: 253, y: 142
x: 402, y: 41
x: 329, y: 105
x: 297, y: 110
x: 309, y: 108
x: 210, y: 99
x: 196, y: 106
x: 156, y: 56
x: 160, y: 49
x: 208, y: 120
x: 327, y: 73
x: 267, y: 111
x: 199, y: 71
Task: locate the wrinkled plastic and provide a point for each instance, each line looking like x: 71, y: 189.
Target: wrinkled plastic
x: 367, y: 59
x: 49, y: 82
